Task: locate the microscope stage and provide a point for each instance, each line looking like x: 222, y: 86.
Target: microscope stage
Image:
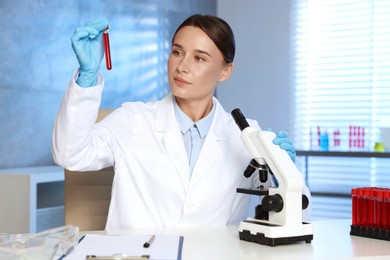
x: 266, y: 233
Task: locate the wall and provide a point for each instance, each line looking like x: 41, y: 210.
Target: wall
x: 37, y: 62
x: 260, y: 81
x: 259, y: 85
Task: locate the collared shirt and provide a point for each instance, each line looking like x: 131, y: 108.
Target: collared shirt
x: 194, y: 133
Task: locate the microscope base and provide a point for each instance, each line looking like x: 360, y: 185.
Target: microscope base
x: 264, y: 233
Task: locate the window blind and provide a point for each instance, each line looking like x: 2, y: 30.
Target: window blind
x: 140, y: 46
x: 341, y: 79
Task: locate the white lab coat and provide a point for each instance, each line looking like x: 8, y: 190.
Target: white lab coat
x: 152, y: 185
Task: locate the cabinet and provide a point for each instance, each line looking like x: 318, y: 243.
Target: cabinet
x: 31, y: 199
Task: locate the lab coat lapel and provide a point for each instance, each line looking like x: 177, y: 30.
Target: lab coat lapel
x: 172, y: 139
x: 177, y: 154
x: 211, y: 148
x: 207, y: 156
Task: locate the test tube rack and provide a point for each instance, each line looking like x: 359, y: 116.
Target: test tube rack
x: 371, y: 212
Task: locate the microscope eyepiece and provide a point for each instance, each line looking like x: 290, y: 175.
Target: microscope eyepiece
x: 249, y: 171
x: 240, y: 119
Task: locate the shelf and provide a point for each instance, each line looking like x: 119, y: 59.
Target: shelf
x: 350, y: 154
x: 366, y: 154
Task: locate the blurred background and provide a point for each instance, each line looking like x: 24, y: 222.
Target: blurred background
x: 315, y: 68
x: 37, y: 62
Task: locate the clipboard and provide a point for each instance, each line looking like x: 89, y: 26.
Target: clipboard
x: 117, y: 257
x: 118, y: 247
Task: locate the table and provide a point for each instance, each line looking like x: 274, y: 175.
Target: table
x: 331, y: 241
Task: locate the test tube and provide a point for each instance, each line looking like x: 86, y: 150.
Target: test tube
x: 371, y: 207
x: 386, y: 210
x: 354, y: 193
x: 107, y: 52
x: 361, y: 208
x: 379, y: 214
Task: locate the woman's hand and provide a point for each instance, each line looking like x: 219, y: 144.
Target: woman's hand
x: 87, y: 43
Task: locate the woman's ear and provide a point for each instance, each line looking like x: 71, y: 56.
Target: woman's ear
x: 227, y: 71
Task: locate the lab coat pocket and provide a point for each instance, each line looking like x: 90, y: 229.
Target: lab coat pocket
x: 156, y: 168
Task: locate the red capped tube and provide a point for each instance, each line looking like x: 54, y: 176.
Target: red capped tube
x: 386, y: 210
x: 354, y: 193
x: 107, y: 51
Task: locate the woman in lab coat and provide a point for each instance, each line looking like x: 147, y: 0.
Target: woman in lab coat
x: 177, y: 161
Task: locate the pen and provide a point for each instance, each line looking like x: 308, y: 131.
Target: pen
x: 107, y: 51
x: 149, y: 242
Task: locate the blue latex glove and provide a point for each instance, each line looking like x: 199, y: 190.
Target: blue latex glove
x: 285, y: 143
x: 87, y: 43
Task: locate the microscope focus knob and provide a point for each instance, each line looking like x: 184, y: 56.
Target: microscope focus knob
x: 305, y: 201
x: 272, y: 203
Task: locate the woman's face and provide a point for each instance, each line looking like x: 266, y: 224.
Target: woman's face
x: 195, y: 65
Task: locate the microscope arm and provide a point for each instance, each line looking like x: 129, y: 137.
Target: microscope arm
x: 291, y: 184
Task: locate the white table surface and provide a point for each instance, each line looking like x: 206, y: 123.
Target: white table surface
x: 331, y: 241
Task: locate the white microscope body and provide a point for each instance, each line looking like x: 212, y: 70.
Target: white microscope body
x: 283, y: 203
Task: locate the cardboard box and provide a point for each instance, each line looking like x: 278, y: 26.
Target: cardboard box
x: 88, y: 195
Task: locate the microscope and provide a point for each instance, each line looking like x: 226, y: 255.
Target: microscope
x: 278, y: 218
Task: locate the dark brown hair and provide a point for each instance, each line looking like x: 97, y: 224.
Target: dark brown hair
x: 217, y: 29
